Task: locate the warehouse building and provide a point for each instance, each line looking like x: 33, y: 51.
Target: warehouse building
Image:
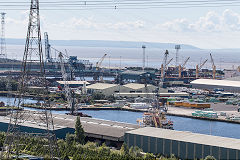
x: 73, y: 84
x: 184, y: 145
x: 94, y: 129
x: 229, y: 86
x: 104, y: 88
x: 140, y: 88
x: 111, y: 89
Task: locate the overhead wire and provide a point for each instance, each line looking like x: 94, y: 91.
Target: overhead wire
x: 123, y: 4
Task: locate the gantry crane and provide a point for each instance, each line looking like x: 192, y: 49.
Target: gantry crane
x: 69, y: 94
x: 198, y: 68
x: 98, y: 66
x: 181, y: 67
x: 213, y: 67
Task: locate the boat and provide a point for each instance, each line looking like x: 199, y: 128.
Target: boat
x: 80, y: 114
x: 155, y: 118
x: 140, y: 105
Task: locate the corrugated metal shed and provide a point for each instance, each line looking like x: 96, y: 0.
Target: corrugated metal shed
x: 188, y: 137
x: 184, y: 145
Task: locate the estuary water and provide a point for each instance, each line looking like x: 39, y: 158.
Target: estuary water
x: 121, y: 57
x: 180, y: 123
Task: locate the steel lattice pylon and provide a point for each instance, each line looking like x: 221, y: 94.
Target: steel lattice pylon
x: 31, y: 77
x: 3, y: 42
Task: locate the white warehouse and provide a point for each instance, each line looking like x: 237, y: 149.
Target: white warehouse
x: 210, y: 84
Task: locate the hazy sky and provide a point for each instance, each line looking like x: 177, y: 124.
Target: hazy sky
x: 217, y: 27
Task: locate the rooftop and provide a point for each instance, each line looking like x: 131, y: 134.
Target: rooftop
x: 101, y: 86
x: 225, y: 83
x: 94, y: 127
x: 188, y: 137
x: 136, y: 85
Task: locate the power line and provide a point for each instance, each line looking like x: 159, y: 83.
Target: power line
x: 124, y: 4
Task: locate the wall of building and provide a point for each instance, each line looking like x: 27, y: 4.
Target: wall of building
x: 211, y: 87
x: 183, y: 150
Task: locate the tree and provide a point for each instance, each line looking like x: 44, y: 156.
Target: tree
x: 79, y: 132
x: 135, y: 152
x: 124, y: 149
x: 209, y: 158
x: 70, y: 139
x: 149, y: 156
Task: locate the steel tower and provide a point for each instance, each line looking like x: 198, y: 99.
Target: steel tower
x: 3, y: 42
x: 31, y: 77
x: 143, y: 47
x: 177, y: 47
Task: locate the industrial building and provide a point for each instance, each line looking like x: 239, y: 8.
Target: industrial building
x: 111, y: 89
x: 210, y: 84
x: 104, y: 88
x: 94, y: 129
x: 184, y: 145
x: 140, y: 88
x: 73, y: 84
x: 137, y: 76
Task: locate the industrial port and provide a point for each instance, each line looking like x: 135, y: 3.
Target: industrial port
x: 49, y: 93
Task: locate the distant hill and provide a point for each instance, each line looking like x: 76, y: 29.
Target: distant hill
x: 105, y: 43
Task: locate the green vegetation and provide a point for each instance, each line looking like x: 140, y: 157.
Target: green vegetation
x: 79, y: 133
x: 5, y: 83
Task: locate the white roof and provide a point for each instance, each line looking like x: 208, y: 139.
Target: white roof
x: 73, y: 82
x: 225, y: 83
x: 188, y: 137
x: 136, y: 85
x: 101, y: 86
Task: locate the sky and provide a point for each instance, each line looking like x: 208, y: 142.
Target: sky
x: 207, y: 28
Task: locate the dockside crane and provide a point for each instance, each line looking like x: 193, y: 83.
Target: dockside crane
x: 47, y: 48
x: 98, y: 66
x: 198, y: 68
x: 67, y: 90
x: 99, y: 63
x: 181, y: 67
x: 164, y: 65
x: 213, y: 67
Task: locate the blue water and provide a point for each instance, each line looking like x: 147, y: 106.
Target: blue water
x: 180, y: 123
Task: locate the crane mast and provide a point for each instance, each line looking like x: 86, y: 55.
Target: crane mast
x: 213, y: 67
x: 47, y: 48
x: 181, y: 67
x: 68, y: 92
x: 98, y: 66
x: 198, y: 68
x: 164, y: 65
x: 99, y: 63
